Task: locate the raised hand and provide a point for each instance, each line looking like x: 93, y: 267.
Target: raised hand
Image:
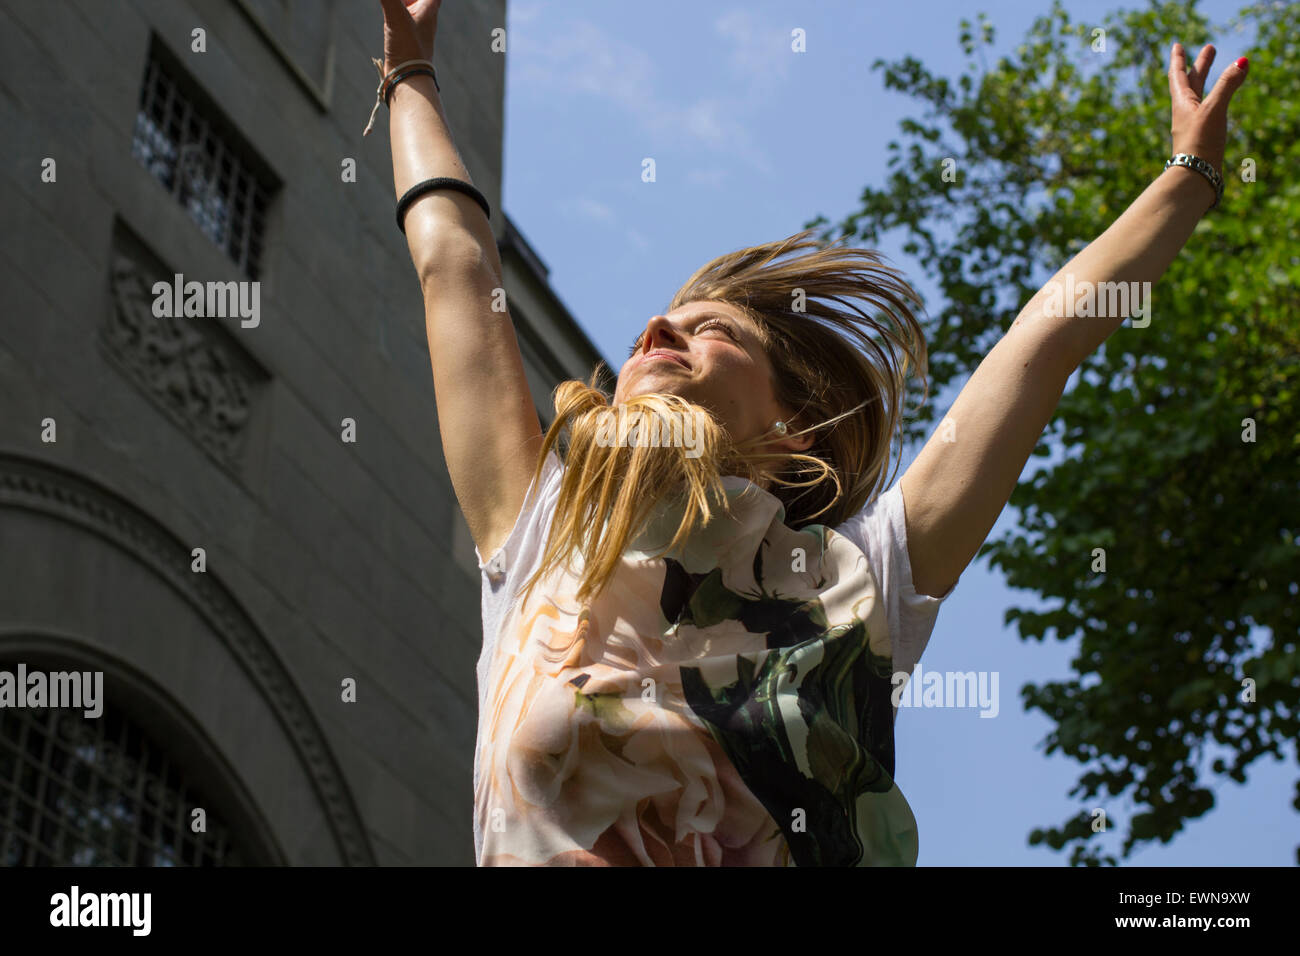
x: 409, y: 28
x: 1200, y: 126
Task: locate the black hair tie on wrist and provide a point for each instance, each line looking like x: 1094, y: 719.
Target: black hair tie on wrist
x: 441, y: 182
x: 413, y: 71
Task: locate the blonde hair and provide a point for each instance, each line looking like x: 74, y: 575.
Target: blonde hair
x: 844, y: 370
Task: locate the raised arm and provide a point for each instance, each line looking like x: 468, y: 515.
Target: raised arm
x: 490, y: 431
x: 960, y: 482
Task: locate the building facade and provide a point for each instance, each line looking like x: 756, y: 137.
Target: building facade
x: 241, y: 518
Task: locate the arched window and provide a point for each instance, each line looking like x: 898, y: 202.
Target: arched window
x: 98, y: 792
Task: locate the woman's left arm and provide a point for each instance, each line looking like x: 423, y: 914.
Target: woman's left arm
x: 961, y: 480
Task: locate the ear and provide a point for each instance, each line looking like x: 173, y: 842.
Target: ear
x: 799, y: 443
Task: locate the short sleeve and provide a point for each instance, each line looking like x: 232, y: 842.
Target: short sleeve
x: 880, y: 532
x: 510, y: 565
x: 503, y: 573
x: 536, y: 503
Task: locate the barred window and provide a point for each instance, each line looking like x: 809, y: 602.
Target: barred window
x: 206, y: 167
x: 98, y: 792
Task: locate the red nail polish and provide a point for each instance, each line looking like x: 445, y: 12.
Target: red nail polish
x: 1243, y: 64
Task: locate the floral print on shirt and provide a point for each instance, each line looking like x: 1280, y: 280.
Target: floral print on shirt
x: 725, y: 704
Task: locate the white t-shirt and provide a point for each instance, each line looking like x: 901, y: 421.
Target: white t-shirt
x: 878, y: 530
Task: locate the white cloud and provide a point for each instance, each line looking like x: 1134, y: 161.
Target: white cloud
x: 589, y: 209
x: 593, y: 210
x: 707, y: 119
x: 578, y: 57
x: 760, y: 52
x: 520, y: 13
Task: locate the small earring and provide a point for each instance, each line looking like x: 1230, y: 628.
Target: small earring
x: 779, y: 428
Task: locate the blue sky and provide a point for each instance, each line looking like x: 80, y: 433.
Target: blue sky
x: 750, y: 141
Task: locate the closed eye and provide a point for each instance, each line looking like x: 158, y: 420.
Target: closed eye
x: 636, y: 345
x: 720, y: 324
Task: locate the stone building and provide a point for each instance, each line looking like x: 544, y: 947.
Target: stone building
x: 229, y: 519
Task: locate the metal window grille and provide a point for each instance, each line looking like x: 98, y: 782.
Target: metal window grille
x: 204, y: 169
x: 97, y: 792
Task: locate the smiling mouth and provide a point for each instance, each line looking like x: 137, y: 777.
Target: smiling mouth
x: 665, y: 355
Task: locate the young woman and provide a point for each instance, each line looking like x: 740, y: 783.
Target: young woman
x: 690, y: 646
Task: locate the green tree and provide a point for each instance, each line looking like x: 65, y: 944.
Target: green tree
x: 1200, y: 527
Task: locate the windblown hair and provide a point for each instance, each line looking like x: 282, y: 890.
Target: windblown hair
x: 842, y: 368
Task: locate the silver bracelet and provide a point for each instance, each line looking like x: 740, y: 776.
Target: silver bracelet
x: 1202, y: 167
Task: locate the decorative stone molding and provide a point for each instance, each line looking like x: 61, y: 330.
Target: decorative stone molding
x: 49, y: 490
x: 188, y: 367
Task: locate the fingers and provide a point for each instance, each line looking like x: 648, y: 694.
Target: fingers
x: 1177, y: 70
x: 1201, y: 69
x: 1229, y: 82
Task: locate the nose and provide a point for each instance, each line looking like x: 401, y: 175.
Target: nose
x: 660, y: 332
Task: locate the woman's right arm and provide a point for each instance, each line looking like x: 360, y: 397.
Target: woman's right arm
x: 490, y: 431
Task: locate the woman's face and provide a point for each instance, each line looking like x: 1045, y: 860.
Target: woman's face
x: 709, y: 353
